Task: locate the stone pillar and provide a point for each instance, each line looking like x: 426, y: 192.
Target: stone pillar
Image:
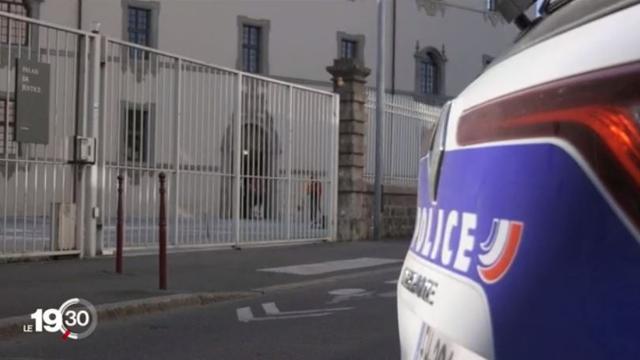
x: 354, y: 213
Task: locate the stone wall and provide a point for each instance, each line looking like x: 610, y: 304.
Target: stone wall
x: 398, y: 211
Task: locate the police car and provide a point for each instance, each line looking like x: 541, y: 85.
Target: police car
x: 527, y: 239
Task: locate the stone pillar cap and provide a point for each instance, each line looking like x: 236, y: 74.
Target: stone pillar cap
x: 348, y: 70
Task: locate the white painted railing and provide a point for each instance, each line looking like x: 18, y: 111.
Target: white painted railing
x: 407, y: 127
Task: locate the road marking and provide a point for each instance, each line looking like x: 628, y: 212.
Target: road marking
x: 392, y: 282
x: 347, y: 292
x: 389, y: 294
x: 245, y: 314
x: 272, y: 309
x: 340, y: 295
x: 332, y: 266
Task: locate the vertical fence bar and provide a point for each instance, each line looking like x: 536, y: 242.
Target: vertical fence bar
x: 92, y: 132
x: 210, y: 175
x: 248, y: 172
x: 125, y: 114
x: 236, y: 160
x: 47, y: 157
x: 65, y: 115
x: 118, y: 128
x: 188, y: 132
x: 162, y: 234
x: 161, y: 106
x: 308, y: 115
x: 82, y: 173
x: 247, y: 166
x: 136, y: 144
x: 36, y: 170
x: 120, y: 225
x: 229, y: 129
x: 27, y: 155
x: 178, y: 121
x: 147, y: 158
x: 18, y: 151
x: 289, y: 160
x: 199, y: 157
x: 102, y: 142
x: 6, y: 144
x: 57, y: 128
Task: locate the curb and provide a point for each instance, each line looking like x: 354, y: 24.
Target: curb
x: 12, y: 326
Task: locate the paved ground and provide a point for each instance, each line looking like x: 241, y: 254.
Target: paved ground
x: 27, y: 286
x: 343, y: 317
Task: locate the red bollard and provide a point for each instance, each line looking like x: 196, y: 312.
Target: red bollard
x: 120, y: 226
x: 162, y: 241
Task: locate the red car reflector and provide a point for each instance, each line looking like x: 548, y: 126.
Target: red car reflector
x: 598, y: 113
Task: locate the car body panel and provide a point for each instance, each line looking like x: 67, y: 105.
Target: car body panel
x: 524, y: 254
x: 564, y: 283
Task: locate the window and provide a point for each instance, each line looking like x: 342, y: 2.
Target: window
x: 253, y: 45
x: 428, y: 75
x: 7, y: 128
x: 137, y: 135
x: 350, y: 46
x: 139, y: 30
x: 12, y: 31
x: 349, y: 49
x: 251, y: 50
x: 139, y: 26
x: 429, y: 72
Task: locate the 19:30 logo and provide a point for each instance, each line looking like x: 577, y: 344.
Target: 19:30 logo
x: 76, y: 319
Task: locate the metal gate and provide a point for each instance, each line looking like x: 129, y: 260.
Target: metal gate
x: 249, y: 160
x: 40, y: 184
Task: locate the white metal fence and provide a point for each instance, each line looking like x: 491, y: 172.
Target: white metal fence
x: 407, y: 128
x: 39, y: 180
x: 248, y: 159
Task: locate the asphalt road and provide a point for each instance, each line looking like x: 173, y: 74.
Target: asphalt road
x: 352, y: 318
x: 27, y: 286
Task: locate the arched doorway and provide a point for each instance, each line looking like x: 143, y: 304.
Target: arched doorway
x: 259, y: 159
x: 257, y: 166
x: 255, y: 169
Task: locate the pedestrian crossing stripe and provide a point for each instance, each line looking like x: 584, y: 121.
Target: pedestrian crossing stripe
x: 332, y: 266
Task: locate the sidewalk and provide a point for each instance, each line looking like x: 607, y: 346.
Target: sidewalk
x: 27, y: 286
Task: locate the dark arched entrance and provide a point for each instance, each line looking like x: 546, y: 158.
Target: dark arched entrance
x: 257, y: 167
x: 259, y: 152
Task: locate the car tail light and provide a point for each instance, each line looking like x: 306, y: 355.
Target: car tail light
x: 598, y: 113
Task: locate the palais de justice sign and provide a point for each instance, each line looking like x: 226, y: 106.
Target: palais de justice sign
x: 32, y: 101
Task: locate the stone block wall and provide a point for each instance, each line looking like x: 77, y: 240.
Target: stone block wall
x: 399, y: 205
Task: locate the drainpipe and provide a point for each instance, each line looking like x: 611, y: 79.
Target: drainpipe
x: 80, y: 5
x: 393, y: 50
x: 393, y: 75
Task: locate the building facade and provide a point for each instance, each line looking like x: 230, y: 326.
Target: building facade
x: 433, y: 49
x: 249, y: 157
